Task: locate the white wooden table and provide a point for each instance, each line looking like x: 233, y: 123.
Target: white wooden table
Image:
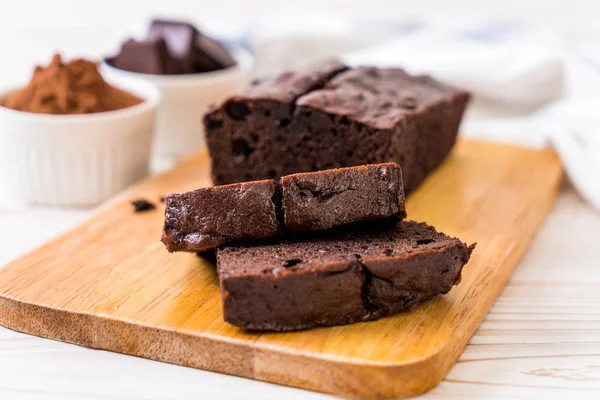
x: 540, y: 340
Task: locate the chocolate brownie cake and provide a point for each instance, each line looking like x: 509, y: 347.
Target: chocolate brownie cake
x: 210, y: 217
x: 337, y: 278
x: 331, y: 117
x: 322, y: 200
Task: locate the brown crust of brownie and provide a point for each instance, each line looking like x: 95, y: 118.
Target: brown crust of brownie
x: 339, y: 277
x: 288, y: 86
x: 378, y: 98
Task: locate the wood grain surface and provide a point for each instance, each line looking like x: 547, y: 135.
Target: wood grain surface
x: 110, y: 284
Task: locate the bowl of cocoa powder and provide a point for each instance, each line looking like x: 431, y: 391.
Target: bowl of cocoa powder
x: 71, y: 138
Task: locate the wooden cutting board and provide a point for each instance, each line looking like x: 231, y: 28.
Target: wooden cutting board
x: 110, y: 284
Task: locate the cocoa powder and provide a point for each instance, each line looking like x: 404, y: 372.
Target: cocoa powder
x: 72, y: 88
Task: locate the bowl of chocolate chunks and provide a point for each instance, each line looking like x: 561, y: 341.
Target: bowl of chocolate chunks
x: 191, y: 70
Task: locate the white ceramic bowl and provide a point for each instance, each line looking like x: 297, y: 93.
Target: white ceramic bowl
x: 76, y: 160
x: 185, y: 98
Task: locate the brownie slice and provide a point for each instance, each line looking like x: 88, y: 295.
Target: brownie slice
x: 337, y: 278
x: 322, y: 200
x: 341, y: 117
x: 209, y: 217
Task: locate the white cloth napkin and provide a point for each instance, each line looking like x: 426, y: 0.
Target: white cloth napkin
x: 528, y: 88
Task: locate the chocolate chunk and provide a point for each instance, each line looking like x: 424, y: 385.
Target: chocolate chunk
x: 146, y: 57
x: 180, y: 38
x: 210, y: 55
x: 142, y: 205
x: 172, y: 47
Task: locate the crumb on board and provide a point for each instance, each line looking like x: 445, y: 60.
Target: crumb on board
x: 141, y: 205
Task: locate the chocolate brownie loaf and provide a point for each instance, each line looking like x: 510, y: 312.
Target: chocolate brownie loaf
x: 337, y: 278
x: 210, y: 217
x: 332, y: 117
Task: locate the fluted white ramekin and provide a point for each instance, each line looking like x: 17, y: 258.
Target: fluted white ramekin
x: 76, y: 160
x: 185, y: 98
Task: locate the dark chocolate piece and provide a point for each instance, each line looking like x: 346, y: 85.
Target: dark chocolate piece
x: 322, y: 200
x: 331, y: 117
x: 210, y: 55
x: 141, y: 205
x: 180, y: 38
x: 337, y: 278
x: 145, y: 57
x: 172, y: 47
x: 209, y: 217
